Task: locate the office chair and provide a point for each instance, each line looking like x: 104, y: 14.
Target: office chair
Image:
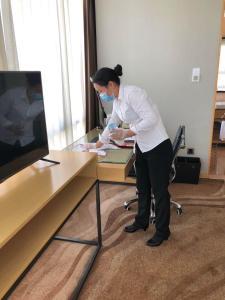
x: 178, y: 143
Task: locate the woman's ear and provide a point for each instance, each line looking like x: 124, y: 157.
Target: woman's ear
x: 110, y: 84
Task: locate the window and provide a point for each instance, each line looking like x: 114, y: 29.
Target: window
x: 49, y: 38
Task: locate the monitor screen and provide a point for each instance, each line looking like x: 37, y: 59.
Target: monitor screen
x: 23, y: 135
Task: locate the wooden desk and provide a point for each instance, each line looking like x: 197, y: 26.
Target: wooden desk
x: 109, y: 172
x: 33, y: 205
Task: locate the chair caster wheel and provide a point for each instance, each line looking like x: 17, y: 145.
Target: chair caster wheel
x: 127, y: 207
x: 152, y: 220
x: 179, y: 211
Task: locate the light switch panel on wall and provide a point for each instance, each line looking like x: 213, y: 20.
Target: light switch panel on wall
x: 195, y: 75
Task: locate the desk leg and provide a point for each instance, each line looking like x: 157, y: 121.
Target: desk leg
x: 98, y: 212
x: 97, y: 243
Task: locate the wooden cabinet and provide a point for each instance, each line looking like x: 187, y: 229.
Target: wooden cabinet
x: 220, y: 114
x: 34, y: 203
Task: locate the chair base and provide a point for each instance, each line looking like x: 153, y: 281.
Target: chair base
x: 177, y: 206
x: 127, y: 206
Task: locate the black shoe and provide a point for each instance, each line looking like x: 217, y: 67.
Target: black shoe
x: 134, y: 227
x: 157, y: 240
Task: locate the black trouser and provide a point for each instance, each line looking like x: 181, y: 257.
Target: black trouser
x: 152, y: 170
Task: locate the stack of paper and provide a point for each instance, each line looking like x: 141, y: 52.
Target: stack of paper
x: 100, y: 151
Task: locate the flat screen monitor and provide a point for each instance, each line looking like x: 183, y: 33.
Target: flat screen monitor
x: 23, y: 135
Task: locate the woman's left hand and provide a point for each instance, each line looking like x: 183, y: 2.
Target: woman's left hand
x: 119, y: 134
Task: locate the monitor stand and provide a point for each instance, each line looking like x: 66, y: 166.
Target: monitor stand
x: 51, y: 161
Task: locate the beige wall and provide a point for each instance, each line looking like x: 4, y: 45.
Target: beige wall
x: 158, y: 43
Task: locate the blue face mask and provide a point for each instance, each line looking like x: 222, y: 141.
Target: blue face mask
x: 36, y: 96
x: 106, y: 98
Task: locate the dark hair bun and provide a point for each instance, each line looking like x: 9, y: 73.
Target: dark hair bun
x: 118, y: 70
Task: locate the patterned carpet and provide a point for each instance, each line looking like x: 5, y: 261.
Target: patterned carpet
x: 191, y: 265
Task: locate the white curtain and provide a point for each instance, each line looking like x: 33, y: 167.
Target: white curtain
x: 8, y: 52
x: 3, y: 65
x: 49, y: 38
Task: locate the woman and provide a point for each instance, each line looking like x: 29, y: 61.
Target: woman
x: 153, y: 148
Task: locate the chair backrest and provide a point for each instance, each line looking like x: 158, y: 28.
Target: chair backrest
x: 179, y: 140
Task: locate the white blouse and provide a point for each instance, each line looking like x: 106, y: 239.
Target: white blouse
x: 134, y: 107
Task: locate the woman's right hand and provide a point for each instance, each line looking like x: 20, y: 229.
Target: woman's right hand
x: 89, y: 146
x: 99, y: 144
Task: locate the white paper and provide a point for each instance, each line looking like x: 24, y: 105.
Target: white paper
x: 108, y: 146
x: 99, y: 152
x: 79, y: 148
x: 132, y: 138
